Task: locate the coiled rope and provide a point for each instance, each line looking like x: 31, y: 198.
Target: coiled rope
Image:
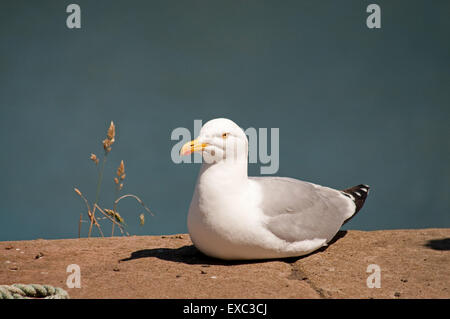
x: 21, y: 291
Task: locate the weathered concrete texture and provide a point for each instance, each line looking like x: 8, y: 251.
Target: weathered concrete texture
x: 413, y: 264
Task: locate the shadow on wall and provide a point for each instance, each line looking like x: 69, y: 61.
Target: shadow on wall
x: 439, y: 244
x: 190, y: 255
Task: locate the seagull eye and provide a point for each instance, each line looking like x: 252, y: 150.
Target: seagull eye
x: 225, y: 135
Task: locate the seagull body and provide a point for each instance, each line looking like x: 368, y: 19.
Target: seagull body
x: 236, y: 217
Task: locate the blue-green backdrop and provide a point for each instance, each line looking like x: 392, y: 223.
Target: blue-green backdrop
x: 354, y: 105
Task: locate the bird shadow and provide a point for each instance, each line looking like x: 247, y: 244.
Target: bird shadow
x: 190, y: 255
x: 439, y: 244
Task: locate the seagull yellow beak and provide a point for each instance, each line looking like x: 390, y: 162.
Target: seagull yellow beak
x: 191, y: 147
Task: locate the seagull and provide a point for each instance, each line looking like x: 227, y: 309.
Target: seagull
x: 236, y: 217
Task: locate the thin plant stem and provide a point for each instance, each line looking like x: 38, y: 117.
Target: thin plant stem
x: 136, y: 198
x: 89, y: 213
x: 99, y: 184
x: 112, y: 230
x: 100, y: 230
x: 115, y: 208
x: 79, y: 225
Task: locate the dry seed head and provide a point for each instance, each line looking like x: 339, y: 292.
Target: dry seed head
x: 116, y: 180
x: 114, y: 214
x: 107, y: 145
x: 94, y: 158
x: 118, y: 218
x: 110, y: 212
x: 111, y: 132
x: 123, y: 176
x: 78, y: 192
x: 120, y: 186
x: 121, y: 169
x: 110, y: 138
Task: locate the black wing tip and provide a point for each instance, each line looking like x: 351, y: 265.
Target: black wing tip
x: 358, y: 194
x: 360, y: 191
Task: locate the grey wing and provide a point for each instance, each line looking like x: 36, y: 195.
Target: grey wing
x: 297, y: 210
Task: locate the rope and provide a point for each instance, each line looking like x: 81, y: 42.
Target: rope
x: 21, y: 291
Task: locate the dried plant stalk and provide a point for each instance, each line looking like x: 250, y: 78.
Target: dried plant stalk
x: 112, y: 215
x: 110, y: 138
x: 88, y: 209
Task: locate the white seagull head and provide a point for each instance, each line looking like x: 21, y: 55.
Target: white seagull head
x: 220, y: 140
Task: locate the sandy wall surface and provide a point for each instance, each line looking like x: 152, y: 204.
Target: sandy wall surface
x: 412, y: 264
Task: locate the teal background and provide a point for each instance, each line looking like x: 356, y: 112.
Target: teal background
x: 353, y: 105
